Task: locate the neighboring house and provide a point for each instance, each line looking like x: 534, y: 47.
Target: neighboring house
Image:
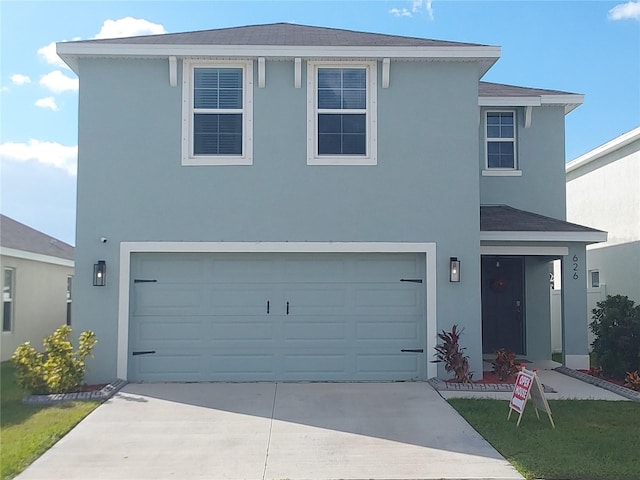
x: 285, y: 202
x: 603, y: 191
x: 37, y: 274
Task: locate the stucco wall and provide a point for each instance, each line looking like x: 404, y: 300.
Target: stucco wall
x: 538, y: 326
x: 132, y: 187
x: 540, y: 157
x: 40, y: 302
x: 605, y: 194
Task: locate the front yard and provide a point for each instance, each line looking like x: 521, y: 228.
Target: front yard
x: 593, y: 440
x: 26, y: 432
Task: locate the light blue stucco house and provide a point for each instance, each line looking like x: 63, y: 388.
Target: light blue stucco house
x: 284, y: 202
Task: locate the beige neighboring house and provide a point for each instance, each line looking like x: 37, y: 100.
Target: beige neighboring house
x: 603, y: 192
x: 37, y: 275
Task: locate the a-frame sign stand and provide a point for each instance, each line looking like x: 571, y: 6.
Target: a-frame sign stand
x: 528, y: 386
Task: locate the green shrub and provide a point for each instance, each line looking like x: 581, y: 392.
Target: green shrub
x: 59, y: 369
x: 616, y: 326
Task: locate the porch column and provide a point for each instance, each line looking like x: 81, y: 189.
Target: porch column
x: 575, y: 343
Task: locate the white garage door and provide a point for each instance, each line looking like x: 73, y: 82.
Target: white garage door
x: 286, y: 317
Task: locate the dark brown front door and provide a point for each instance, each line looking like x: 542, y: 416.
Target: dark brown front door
x: 503, y: 304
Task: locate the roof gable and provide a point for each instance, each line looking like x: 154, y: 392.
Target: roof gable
x: 282, y: 34
x: 505, y: 223
x: 280, y: 41
x: 17, y: 236
x: 502, y: 95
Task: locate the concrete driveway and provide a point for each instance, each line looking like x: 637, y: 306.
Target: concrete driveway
x: 273, y: 431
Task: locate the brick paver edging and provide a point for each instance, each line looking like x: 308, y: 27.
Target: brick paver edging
x: 100, y: 395
x: 599, y: 382
x: 477, y: 387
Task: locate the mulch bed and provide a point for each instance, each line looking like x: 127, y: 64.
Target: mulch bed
x: 90, y: 388
x: 604, y: 377
x: 490, y: 378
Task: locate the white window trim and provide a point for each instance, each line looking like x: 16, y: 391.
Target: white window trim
x: 11, y: 300
x: 501, y: 171
x: 371, y: 158
x: 188, y: 158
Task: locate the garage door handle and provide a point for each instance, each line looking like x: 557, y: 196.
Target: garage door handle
x: 267, y: 306
x: 412, y: 350
x: 143, y: 352
x: 287, y: 308
x: 141, y: 280
x: 411, y: 280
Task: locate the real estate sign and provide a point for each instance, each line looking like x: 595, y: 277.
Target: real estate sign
x: 528, y: 386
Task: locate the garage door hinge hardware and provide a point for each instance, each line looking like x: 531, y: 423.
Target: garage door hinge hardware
x: 140, y: 280
x: 412, y: 280
x: 412, y: 350
x: 143, y: 352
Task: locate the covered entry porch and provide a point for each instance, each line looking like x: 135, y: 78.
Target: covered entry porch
x: 517, y: 250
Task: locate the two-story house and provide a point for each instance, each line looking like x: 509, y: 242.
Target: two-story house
x: 285, y: 202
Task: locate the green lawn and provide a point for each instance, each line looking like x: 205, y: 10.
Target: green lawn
x: 28, y: 431
x: 592, y: 439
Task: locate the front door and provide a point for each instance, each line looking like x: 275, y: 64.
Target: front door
x: 503, y: 304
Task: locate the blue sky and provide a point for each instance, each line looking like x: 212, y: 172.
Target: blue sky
x: 589, y: 47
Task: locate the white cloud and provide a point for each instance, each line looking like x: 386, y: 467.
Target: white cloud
x: 623, y: 11
x: 416, y: 8
x: 48, y: 102
x: 427, y: 4
x: 46, y: 153
x: 48, y: 53
x: 429, y: 7
x: 400, y: 12
x: 129, y: 27
x: 19, y: 79
x: 58, y: 82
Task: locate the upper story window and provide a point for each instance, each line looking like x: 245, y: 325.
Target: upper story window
x: 341, y: 123
x: 8, y: 288
x: 217, y: 113
x: 500, y: 139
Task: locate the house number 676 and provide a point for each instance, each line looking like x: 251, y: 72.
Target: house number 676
x: 575, y: 267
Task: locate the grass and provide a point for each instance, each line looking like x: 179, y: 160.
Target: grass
x: 26, y: 431
x: 592, y: 440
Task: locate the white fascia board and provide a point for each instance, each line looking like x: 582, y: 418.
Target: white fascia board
x: 585, y: 237
x: 509, y: 101
x: 70, y: 51
x: 36, y: 257
x: 277, y: 247
x: 604, y: 149
x: 569, y: 101
x: 523, y: 250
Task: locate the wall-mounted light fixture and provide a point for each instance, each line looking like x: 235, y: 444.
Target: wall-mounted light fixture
x: 100, y: 274
x: 454, y: 269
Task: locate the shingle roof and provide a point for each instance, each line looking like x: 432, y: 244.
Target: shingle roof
x: 21, y: 237
x: 285, y: 34
x: 503, y: 218
x: 488, y: 89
